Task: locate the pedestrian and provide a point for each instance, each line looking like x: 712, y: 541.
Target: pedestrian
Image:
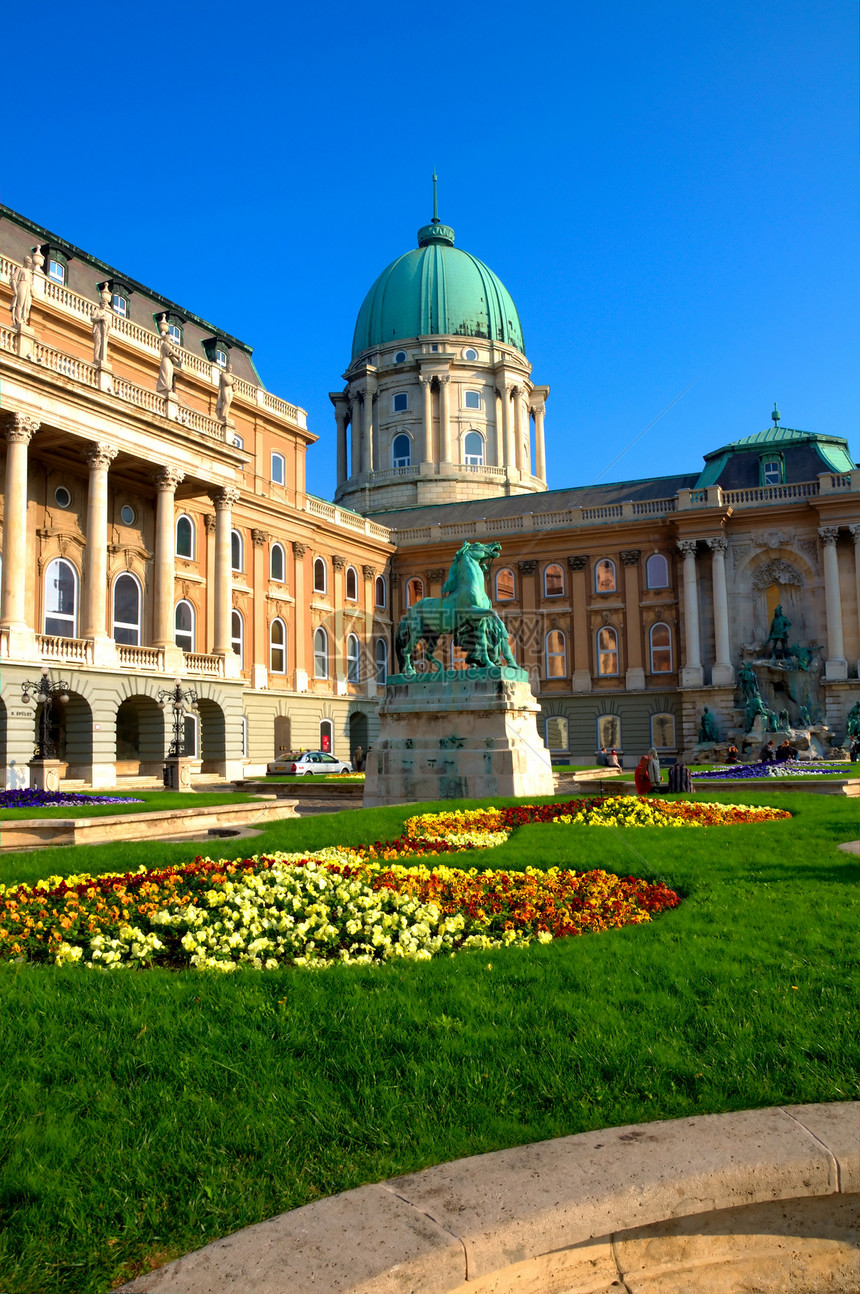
x: 602, y: 758
x: 680, y: 778
x: 612, y: 759
x: 358, y: 759
x: 654, y: 770
x: 732, y: 754
x: 642, y: 776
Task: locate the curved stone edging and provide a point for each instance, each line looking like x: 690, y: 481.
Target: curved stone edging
x: 562, y: 1216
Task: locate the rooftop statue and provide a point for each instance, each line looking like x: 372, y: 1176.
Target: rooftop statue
x: 464, y: 611
x: 102, y: 319
x: 21, y: 280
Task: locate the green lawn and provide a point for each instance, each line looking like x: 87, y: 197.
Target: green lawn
x: 151, y: 802
x: 146, y: 1113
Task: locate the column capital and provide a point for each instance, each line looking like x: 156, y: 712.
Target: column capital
x: 299, y: 550
x: 338, y: 562
x: 828, y: 534
x: 168, y: 478
x: 855, y: 531
x: 630, y: 556
x: 395, y: 578
x: 578, y: 561
x: 225, y: 498
x: 259, y: 538
x: 527, y: 568
x: 424, y: 379
x: 369, y: 572
x: 687, y: 547
x: 719, y: 544
x: 209, y: 522
x: 20, y: 428
x: 443, y: 378
x: 101, y: 456
x: 436, y: 573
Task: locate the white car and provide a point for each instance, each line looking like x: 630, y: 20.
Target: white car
x: 308, y: 761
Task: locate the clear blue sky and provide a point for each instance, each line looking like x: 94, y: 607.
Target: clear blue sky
x: 668, y: 190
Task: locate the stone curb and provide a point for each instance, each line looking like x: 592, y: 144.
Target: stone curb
x: 430, y: 1232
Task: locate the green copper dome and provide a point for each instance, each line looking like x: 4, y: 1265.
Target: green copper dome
x: 437, y: 290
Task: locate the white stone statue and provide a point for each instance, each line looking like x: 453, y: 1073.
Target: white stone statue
x: 102, y: 322
x: 21, y: 279
x: 170, y: 360
x: 225, y: 393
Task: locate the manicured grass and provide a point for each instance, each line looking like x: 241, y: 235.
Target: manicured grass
x: 310, y: 777
x: 147, y: 1113
x: 152, y: 801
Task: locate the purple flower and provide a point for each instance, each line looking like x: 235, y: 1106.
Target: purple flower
x: 27, y: 799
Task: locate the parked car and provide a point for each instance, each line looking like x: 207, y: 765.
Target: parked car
x: 308, y: 761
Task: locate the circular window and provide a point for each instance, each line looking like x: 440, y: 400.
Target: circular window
x: 127, y: 515
x: 400, y: 357
x: 62, y: 496
x: 471, y: 354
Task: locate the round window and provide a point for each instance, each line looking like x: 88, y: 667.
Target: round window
x: 62, y: 496
x: 471, y: 354
x: 127, y: 514
x: 400, y: 357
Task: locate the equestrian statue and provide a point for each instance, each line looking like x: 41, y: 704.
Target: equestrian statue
x: 464, y: 611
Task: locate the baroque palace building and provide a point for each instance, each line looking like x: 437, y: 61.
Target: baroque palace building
x: 156, y: 526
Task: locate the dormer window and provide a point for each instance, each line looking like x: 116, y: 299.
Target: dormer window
x: 174, y: 332
x: 120, y: 297
x: 56, y: 264
x: 217, y: 350
x: 221, y: 358
x: 175, y: 324
x: 771, y: 471
x: 119, y: 305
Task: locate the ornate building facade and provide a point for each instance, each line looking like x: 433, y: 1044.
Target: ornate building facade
x: 156, y: 525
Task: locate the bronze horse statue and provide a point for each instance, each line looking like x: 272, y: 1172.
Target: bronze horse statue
x: 464, y: 611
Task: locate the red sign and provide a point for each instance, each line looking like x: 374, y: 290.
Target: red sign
x: 326, y: 743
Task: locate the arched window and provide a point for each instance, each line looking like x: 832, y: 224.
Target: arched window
x: 557, y: 732
x: 351, y: 584
x: 660, y: 642
x: 401, y: 451
x: 381, y: 662
x: 505, y: 585
x: 380, y: 591
x: 321, y: 653
x: 607, y: 651
x: 608, y: 732
x: 126, y: 610
x: 183, y: 622
x: 320, y: 576
x: 473, y: 449
x: 278, y: 647
x: 236, y: 551
x: 61, y: 599
x: 414, y: 591
x: 663, y: 731
x: 657, y: 572
x: 556, y: 654
x: 237, y: 635
x: 553, y: 581
x: 278, y: 469
x: 353, y: 659
x: 185, y: 537
x: 277, y: 563
x: 604, y: 576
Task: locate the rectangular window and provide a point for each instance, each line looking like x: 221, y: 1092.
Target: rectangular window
x: 771, y: 472
x: 175, y: 333
x: 221, y: 358
x: 401, y: 402
x: 56, y: 271
x: 119, y: 305
x: 473, y: 400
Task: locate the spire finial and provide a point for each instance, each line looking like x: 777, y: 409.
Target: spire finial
x: 776, y: 415
x: 435, y: 220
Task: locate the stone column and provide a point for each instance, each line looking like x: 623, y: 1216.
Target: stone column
x: 836, y: 666
x: 19, y: 430
x: 341, y: 415
x: 94, y: 624
x: 165, y: 547
x: 369, y: 675
x: 722, y: 674
x: 300, y: 645
x: 337, y: 628
x: 524, y: 467
x: 635, y: 680
x: 368, y: 458
x: 855, y: 532
x: 425, y: 451
x: 533, y: 639
x: 355, y: 434
x: 507, y: 396
x: 691, y: 674
x: 578, y: 603
x: 224, y: 501
x: 257, y: 659
x: 539, y: 412
x: 445, y: 419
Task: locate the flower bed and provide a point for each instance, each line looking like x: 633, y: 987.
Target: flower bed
x: 789, y: 768
x: 27, y: 799
x: 345, y: 904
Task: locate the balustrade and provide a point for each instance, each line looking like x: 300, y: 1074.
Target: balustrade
x: 202, y: 663
x: 77, y: 650
x: 151, y: 658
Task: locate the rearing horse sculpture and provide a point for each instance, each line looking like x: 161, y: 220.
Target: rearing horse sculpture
x: 464, y: 611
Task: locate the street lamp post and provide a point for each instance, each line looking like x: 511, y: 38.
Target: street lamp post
x: 183, y: 702
x: 44, y: 766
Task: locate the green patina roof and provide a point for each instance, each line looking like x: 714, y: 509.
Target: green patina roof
x: 833, y: 450
x: 437, y: 289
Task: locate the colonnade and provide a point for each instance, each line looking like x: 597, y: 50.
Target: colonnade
x: 516, y: 406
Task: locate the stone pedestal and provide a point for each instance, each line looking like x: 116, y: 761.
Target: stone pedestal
x: 457, y: 734
x: 45, y: 774
x: 177, y: 774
